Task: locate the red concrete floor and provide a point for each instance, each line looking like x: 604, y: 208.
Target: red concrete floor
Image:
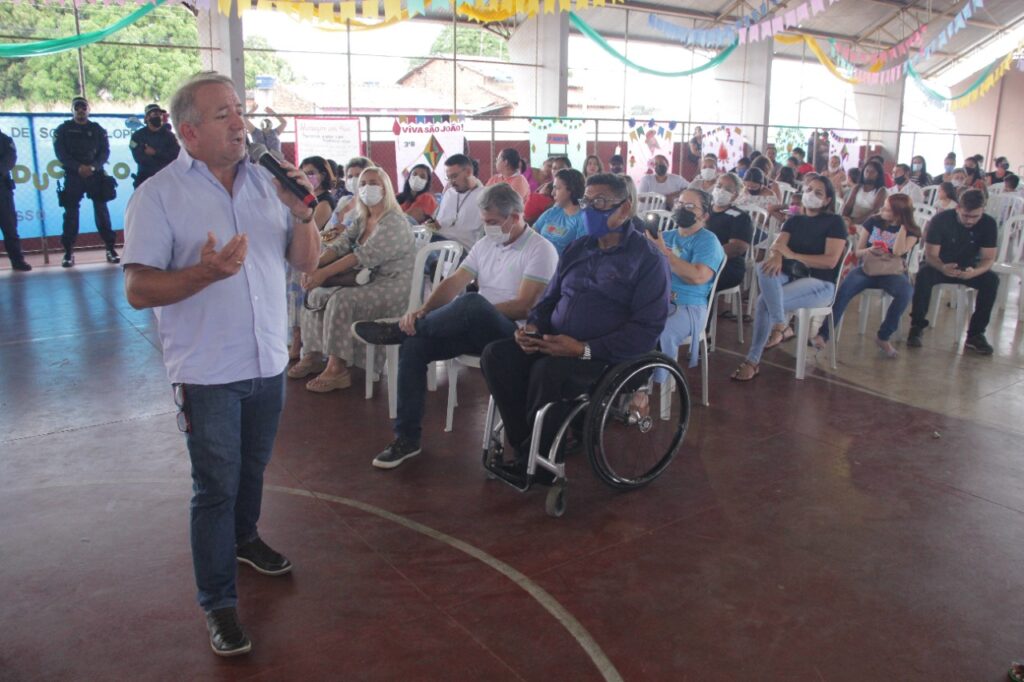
x: 808, y: 531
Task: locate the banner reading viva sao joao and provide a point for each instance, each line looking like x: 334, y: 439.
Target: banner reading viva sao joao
x: 37, y: 171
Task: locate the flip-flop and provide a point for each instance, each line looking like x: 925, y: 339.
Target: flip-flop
x: 319, y: 385
x: 736, y: 375
x: 304, y: 367
x: 786, y: 335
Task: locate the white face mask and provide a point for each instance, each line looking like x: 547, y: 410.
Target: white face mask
x: 812, y: 201
x: 957, y: 183
x: 495, y: 232
x: 721, y: 196
x: 707, y: 173
x: 352, y: 184
x: 371, y: 195
x: 416, y: 183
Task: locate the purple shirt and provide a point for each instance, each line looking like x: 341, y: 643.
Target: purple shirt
x: 616, y: 300
x: 236, y: 328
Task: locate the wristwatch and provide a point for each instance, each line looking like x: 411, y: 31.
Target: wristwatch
x: 585, y: 355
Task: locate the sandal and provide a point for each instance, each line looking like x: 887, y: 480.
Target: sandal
x: 779, y: 337
x: 321, y: 385
x: 738, y: 374
x: 308, y: 365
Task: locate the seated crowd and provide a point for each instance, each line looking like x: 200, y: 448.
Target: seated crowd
x: 561, y: 278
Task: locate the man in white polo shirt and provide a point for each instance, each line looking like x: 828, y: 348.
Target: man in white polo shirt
x: 511, y: 266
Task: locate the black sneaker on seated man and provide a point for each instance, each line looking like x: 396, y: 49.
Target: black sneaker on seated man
x: 979, y: 344
x: 914, y: 338
x: 112, y: 256
x: 379, y: 333
x: 261, y: 557
x: 226, y: 635
x: 397, y: 452
x: 69, y: 260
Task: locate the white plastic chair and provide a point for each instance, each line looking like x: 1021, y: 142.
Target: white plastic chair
x: 761, y: 220
x: 735, y: 295
x: 449, y: 253
x: 963, y: 302
x: 453, y: 380
x: 649, y: 201
x: 1010, y: 262
x: 930, y: 193
x: 669, y: 385
x: 997, y: 188
x: 923, y: 214
x: 1002, y: 207
x: 787, y: 192
x: 422, y: 235
x: 804, y: 315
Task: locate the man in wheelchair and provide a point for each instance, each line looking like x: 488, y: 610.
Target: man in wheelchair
x: 607, y: 303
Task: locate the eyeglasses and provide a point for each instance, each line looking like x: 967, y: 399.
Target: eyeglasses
x: 600, y: 203
x: 179, y: 400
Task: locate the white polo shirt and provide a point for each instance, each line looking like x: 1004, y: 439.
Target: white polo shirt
x: 499, y: 269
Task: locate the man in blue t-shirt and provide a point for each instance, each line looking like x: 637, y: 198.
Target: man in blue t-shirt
x: 695, y: 256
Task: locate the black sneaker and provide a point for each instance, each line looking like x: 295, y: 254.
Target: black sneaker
x: 379, y: 333
x: 226, y: 635
x: 112, y: 256
x: 21, y: 266
x: 257, y: 554
x: 69, y: 260
x: 398, y: 451
x: 979, y: 344
x: 914, y: 339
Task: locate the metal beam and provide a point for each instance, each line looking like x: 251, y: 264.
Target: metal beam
x: 978, y: 44
x: 949, y: 14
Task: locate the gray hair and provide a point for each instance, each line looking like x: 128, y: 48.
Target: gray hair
x: 737, y: 184
x: 501, y: 198
x: 183, y: 101
x: 705, y: 199
x: 631, y: 194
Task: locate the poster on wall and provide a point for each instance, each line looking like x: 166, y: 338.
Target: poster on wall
x: 726, y: 143
x: 786, y: 140
x: 338, y: 139
x: 557, y: 137
x: 846, y: 146
x: 646, y: 141
x: 429, y: 140
x: 37, y: 172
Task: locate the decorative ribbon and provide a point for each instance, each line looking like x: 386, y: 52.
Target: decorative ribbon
x: 976, y: 90
x: 45, y: 47
x: 958, y: 24
x: 853, y: 54
x: 779, y: 23
x: 711, y: 37
x: 596, y: 38
x: 812, y: 44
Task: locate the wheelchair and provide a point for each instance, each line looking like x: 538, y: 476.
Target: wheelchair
x: 627, y: 441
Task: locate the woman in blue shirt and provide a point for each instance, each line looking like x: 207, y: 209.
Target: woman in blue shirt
x: 562, y: 224
x: 694, y: 257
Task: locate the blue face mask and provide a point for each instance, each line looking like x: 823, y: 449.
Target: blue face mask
x: 949, y: 167
x: 741, y: 172
x: 596, y: 221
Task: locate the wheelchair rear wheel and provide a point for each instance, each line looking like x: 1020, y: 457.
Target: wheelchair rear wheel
x: 628, y: 439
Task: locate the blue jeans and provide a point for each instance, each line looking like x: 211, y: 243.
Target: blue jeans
x: 463, y: 326
x: 231, y: 435
x: 778, y: 295
x: 897, y: 286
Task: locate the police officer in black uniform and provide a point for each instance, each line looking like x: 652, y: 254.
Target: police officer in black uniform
x: 153, y: 146
x: 8, y: 216
x: 82, y: 147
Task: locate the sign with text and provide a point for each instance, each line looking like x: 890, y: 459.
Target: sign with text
x: 338, y: 139
x: 426, y: 140
x: 37, y: 171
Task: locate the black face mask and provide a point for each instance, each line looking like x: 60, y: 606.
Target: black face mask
x: 899, y: 179
x: 684, y: 217
x: 660, y: 169
x: 616, y: 169
x: 153, y: 121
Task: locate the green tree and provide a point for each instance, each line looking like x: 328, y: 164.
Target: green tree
x: 470, y: 42
x: 261, y: 63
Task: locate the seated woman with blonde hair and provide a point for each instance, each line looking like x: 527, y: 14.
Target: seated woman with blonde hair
x: 379, y: 241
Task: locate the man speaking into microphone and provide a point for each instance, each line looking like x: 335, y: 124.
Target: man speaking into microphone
x: 206, y: 242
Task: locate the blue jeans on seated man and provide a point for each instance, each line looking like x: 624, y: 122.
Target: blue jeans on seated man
x: 779, y: 295
x: 463, y: 326
x: 897, y: 286
x: 231, y: 435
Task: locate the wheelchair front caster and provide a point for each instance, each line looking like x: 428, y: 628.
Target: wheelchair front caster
x: 554, y: 503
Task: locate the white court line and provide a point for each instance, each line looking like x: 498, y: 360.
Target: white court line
x: 549, y: 603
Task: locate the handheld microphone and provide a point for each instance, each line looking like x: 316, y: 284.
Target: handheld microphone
x: 265, y: 158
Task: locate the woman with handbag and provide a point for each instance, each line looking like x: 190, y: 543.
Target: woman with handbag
x: 364, y: 275
x: 799, y: 271
x: 885, y: 242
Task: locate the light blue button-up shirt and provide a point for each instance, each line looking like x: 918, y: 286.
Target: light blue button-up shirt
x: 235, y: 328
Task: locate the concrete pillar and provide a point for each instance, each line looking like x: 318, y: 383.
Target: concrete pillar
x: 543, y: 40
x: 224, y: 35
x: 880, y: 111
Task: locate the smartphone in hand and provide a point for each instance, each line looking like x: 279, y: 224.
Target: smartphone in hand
x: 533, y: 334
